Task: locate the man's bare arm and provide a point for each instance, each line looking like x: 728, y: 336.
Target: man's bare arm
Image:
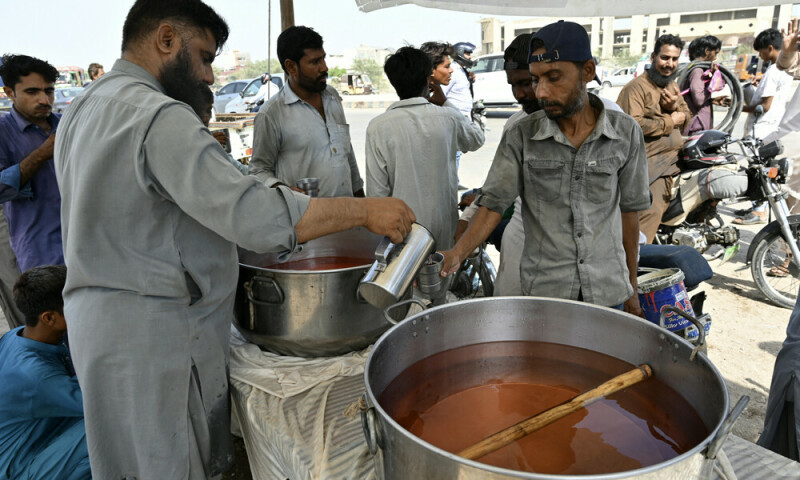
x: 630, y: 241
x: 34, y: 161
x: 480, y: 227
x: 766, y: 103
x: 384, y: 216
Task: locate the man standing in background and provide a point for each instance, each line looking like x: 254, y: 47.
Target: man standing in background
x: 654, y: 101
x: 95, y: 71
x: 771, y: 94
x: 28, y: 187
x: 301, y: 131
x: 411, y: 147
x: 459, y: 90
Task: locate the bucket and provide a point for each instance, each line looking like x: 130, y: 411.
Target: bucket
x: 661, y: 288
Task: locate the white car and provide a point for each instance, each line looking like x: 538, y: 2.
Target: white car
x: 239, y: 104
x: 491, y: 83
x: 227, y: 93
x: 619, y: 77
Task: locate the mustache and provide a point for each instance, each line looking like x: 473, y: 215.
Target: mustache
x: 659, y: 79
x: 550, y: 103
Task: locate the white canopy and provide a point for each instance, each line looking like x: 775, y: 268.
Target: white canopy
x: 568, y: 8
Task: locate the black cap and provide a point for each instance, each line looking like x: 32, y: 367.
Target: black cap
x: 516, y: 54
x: 563, y: 42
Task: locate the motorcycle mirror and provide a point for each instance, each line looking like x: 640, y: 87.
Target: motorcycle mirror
x: 759, y: 111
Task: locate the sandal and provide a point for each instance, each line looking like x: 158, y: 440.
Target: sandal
x: 751, y: 218
x: 778, y: 271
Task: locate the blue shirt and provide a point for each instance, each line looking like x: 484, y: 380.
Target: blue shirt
x: 33, y: 210
x: 41, y: 404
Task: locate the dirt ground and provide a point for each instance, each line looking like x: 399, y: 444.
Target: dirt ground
x: 746, y: 333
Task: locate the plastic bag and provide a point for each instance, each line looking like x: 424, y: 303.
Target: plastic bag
x: 717, y: 82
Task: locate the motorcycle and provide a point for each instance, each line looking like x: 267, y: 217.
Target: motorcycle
x: 478, y: 270
x: 712, y: 175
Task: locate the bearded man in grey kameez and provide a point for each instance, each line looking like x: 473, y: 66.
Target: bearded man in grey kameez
x: 151, y: 214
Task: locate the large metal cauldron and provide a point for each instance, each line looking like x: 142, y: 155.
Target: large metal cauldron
x: 309, y: 313
x: 402, y: 455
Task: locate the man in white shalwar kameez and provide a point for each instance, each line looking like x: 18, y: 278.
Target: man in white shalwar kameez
x: 151, y: 214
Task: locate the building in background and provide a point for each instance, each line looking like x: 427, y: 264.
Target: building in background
x: 635, y: 35
x: 349, y: 55
x: 232, y: 60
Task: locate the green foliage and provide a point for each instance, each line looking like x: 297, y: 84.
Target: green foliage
x: 255, y: 69
x: 371, y: 68
x: 336, y: 72
x: 619, y: 61
x: 746, y: 47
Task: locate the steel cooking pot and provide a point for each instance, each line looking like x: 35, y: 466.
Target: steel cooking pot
x: 401, y: 455
x: 305, y: 312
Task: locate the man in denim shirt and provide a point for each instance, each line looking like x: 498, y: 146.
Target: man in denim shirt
x: 581, y: 171
x: 28, y: 188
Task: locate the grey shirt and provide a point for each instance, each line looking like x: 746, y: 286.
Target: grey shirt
x: 571, y: 202
x: 411, y: 155
x: 292, y: 141
x: 151, y: 213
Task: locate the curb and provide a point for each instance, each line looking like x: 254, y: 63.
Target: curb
x: 366, y: 104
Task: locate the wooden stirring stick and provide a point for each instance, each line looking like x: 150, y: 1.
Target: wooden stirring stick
x: 529, y: 425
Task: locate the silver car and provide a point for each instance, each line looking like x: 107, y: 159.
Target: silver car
x: 619, y: 77
x: 227, y: 93
x: 63, y: 97
x: 239, y: 104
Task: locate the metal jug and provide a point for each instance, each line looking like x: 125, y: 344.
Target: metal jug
x: 396, y: 265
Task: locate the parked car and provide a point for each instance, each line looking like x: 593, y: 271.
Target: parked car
x: 64, y: 96
x: 228, y: 92
x: 491, y: 83
x: 239, y: 105
x: 619, y: 77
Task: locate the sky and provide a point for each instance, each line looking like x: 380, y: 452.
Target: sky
x: 79, y: 32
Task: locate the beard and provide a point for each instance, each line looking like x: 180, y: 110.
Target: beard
x: 309, y: 84
x: 530, y: 106
x: 660, y: 80
x: 179, y: 84
x: 574, y: 104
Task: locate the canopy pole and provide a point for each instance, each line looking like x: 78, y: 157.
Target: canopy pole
x: 287, y: 14
x: 269, y: 45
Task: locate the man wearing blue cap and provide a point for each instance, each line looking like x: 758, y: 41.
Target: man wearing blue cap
x: 581, y: 171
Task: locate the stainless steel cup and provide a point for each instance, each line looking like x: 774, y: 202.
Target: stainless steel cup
x: 390, y: 277
x: 429, y: 278
x: 309, y: 185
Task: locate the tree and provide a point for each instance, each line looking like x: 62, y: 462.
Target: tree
x: 255, y: 69
x: 620, y: 60
x: 370, y: 67
x: 336, y: 72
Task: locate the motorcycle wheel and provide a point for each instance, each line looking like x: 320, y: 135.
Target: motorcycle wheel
x: 773, y: 252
